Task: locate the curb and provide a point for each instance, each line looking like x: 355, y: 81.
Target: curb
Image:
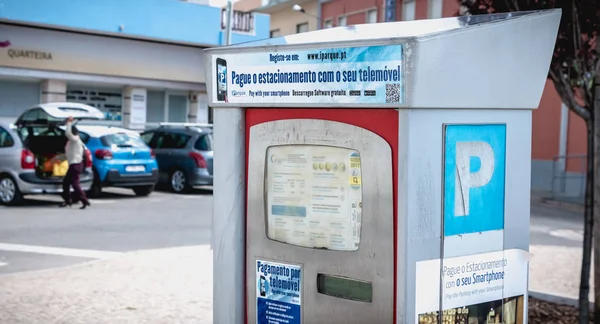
x: 553, y: 203
x: 560, y: 300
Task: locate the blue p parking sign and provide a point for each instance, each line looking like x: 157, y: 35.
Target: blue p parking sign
x: 474, y: 171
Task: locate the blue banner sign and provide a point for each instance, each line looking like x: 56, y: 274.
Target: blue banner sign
x: 357, y: 75
x: 278, y: 293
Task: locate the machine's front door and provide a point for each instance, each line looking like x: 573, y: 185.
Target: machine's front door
x: 320, y: 237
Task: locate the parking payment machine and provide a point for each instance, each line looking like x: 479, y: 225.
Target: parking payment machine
x: 377, y: 173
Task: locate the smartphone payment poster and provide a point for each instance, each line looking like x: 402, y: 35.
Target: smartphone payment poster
x: 369, y: 75
x: 278, y: 293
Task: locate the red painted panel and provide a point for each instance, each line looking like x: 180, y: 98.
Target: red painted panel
x: 383, y: 122
x: 421, y: 9
x: 333, y: 9
x: 355, y: 19
x: 398, y: 10
x: 449, y: 8
x: 545, y: 129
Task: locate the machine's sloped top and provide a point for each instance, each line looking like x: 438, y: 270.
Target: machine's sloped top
x: 401, y: 29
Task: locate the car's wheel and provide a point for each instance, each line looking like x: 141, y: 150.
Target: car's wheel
x: 9, y: 192
x: 143, y: 190
x: 178, y: 181
x: 96, y: 188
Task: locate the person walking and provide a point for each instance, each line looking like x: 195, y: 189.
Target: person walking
x: 75, y: 151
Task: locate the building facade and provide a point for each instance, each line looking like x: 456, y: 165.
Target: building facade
x: 284, y: 19
x: 140, y: 65
x: 559, y: 136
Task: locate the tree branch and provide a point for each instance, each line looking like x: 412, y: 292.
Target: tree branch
x: 576, y: 29
x: 566, y: 94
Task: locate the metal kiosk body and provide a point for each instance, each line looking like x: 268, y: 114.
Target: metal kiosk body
x: 377, y: 173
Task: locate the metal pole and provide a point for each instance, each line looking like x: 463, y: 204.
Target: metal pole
x: 229, y: 22
x: 319, y: 14
x: 228, y: 228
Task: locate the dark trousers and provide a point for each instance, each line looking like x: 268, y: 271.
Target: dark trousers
x: 72, y: 179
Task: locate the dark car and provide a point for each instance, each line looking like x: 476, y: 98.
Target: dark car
x: 184, y: 153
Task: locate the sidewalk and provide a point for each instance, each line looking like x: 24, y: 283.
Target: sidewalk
x: 157, y: 286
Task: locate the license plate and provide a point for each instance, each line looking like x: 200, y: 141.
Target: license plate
x: 135, y: 168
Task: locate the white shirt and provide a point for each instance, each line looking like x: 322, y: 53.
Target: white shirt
x: 74, y: 147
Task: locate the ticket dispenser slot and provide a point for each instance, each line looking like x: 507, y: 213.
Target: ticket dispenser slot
x: 320, y: 245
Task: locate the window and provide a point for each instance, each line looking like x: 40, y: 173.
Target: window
x: 107, y: 100
x: 122, y: 140
x: 85, y: 138
x: 435, y: 8
x: 342, y: 21
x: 147, y: 138
x: 328, y: 23
x: 275, y: 33
x: 408, y: 10
x: 5, y: 139
x: 372, y: 16
x: 204, y: 143
x: 31, y: 115
x: 302, y: 28
x: 172, y: 141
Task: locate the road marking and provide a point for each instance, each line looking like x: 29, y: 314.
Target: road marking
x: 90, y: 254
x: 568, y: 234
x: 103, y: 201
x: 3, y: 264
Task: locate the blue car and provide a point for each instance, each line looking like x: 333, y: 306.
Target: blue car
x: 120, y: 159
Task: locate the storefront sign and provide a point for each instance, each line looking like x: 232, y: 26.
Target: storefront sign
x: 242, y: 22
x: 278, y: 293
x: 28, y: 54
x: 138, y: 106
x: 470, y: 282
x: 359, y: 75
x: 314, y: 196
x: 61, y: 51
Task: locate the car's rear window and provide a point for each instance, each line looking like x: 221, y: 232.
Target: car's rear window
x: 204, y: 143
x: 122, y: 140
x: 27, y: 132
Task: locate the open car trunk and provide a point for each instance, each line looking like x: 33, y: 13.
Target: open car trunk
x: 40, y: 130
x: 49, y: 151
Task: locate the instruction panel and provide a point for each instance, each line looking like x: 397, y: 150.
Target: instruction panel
x: 314, y: 196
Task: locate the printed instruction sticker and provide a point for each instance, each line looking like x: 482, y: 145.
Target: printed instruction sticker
x: 278, y: 293
x: 314, y: 196
x: 472, y: 285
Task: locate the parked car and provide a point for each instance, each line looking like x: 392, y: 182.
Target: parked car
x: 29, y: 149
x: 184, y: 154
x: 120, y: 159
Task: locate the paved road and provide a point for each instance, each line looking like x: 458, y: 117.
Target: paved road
x: 556, y: 244
x: 40, y: 235
x: 170, y: 285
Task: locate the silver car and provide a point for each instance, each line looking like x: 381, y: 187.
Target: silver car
x: 34, y: 134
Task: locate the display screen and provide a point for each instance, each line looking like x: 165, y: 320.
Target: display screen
x: 314, y: 196
x: 346, y: 288
x: 222, y: 81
